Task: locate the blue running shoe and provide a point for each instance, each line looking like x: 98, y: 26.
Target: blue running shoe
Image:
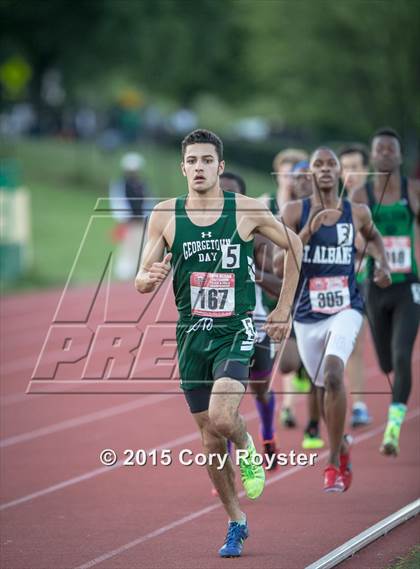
x: 360, y: 416
x: 234, y: 542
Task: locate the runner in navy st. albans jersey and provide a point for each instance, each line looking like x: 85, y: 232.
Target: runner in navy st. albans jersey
x: 329, y: 309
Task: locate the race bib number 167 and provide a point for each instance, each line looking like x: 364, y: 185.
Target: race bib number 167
x: 212, y: 294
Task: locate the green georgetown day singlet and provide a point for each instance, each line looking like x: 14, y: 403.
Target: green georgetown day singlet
x: 214, y: 287
x: 395, y: 222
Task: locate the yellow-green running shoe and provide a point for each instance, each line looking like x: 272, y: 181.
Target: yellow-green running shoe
x: 390, y: 443
x: 312, y: 440
x: 252, y: 475
x: 301, y: 384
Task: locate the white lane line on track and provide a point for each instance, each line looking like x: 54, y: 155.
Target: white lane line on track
x: 98, y: 415
x: 33, y: 332
x: 83, y: 420
x: 104, y: 469
x: 37, y: 303
x: 98, y: 471
x: 71, y: 423
x: 13, y: 398
x: 194, y: 515
x: 150, y: 535
x: 28, y: 364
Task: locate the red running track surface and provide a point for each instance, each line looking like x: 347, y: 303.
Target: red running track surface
x: 61, y: 509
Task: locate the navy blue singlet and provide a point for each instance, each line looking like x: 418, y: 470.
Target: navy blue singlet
x: 327, y: 282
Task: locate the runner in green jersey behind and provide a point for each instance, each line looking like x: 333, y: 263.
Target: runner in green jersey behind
x: 393, y: 312
x: 209, y: 234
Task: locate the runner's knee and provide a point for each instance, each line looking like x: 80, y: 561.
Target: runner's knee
x: 333, y: 374
x: 261, y: 388
x: 213, y: 442
x: 333, y: 381
x: 221, y: 421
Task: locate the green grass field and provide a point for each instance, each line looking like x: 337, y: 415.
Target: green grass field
x: 65, y: 179
x: 410, y: 561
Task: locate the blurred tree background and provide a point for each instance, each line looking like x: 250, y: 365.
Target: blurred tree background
x: 340, y: 67
x: 82, y: 82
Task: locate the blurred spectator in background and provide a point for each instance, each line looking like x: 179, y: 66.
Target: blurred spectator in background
x: 182, y: 121
x: 85, y: 123
x: 354, y: 160
x: 127, y: 196
x: 128, y: 113
x: 301, y: 180
x: 283, y: 164
x: 18, y: 120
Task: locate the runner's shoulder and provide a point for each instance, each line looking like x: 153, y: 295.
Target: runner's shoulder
x: 162, y: 212
x: 165, y: 205
x: 359, y: 196
x: 165, y: 208
x: 265, y: 199
x: 361, y: 211
x: 252, y: 204
x: 291, y: 212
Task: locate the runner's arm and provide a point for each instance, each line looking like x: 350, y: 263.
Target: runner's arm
x: 268, y: 282
x: 263, y: 253
x: 290, y: 213
x: 153, y: 269
x: 414, y: 198
x: 285, y: 238
x: 375, y: 245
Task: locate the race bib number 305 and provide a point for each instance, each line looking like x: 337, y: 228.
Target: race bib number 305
x: 212, y: 294
x: 329, y: 294
x: 398, y: 253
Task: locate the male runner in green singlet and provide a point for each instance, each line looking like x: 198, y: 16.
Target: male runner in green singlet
x: 393, y: 312
x: 209, y: 234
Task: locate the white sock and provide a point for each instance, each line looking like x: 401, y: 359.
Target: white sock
x: 241, y: 522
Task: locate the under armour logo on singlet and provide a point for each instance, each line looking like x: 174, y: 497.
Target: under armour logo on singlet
x: 204, y: 234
